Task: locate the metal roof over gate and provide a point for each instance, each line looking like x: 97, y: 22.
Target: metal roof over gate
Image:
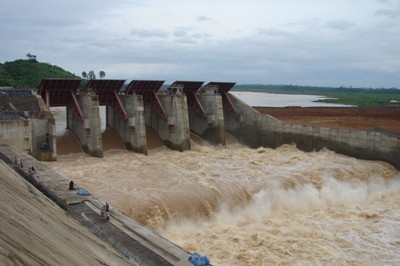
x: 188, y: 86
x: 222, y: 86
x: 140, y: 87
x: 108, y: 90
x: 105, y: 89
x: 148, y: 89
x: 57, y: 92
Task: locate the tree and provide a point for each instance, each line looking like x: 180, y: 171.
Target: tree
x: 91, y: 74
x: 31, y: 57
x: 102, y: 74
x: 84, y: 75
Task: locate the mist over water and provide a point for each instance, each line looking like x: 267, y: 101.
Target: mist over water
x: 243, y: 206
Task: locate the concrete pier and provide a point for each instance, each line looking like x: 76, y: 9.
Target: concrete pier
x: 124, y: 113
x: 174, y: 130
x: 166, y: 113
x: 205, y: 109
x: 212, y: 128
x: 131, y: 128
x: 88, y: 129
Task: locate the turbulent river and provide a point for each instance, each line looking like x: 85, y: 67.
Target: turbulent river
x: 242, y: 206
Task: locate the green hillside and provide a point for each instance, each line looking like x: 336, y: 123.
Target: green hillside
x: 29, y: 73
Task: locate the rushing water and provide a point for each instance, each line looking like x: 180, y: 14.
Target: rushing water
x: 243, y: 206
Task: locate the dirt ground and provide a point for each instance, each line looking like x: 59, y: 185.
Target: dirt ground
x: 333, y: 117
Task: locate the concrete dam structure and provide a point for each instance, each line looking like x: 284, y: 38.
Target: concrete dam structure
x: 185, y: 106
x: 141, y: 104
x: 255, y: 130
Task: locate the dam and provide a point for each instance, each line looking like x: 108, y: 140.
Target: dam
x: 185, y: 106
x: 188, y: 168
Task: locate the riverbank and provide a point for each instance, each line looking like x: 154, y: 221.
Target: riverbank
x: 339, y: 117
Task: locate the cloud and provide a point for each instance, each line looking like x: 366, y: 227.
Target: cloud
x: 202, y: 18
x: 186, y: 35
x: 273, y: 32
x: 388, y: 13
x: 149, y: 33
x: 310, y: 43
x: 339, y: 24
x: 180, y: 32
x: 187, y: 40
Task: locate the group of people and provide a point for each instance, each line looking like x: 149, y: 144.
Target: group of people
x: 31, y: 170
x: 105, y: 210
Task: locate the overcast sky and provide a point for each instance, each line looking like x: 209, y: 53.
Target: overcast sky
x: 304, y: 42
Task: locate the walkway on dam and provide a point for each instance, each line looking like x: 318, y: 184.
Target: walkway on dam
x: 134, y: 241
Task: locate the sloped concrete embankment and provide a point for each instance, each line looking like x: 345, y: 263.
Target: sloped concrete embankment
x: 135, y: 242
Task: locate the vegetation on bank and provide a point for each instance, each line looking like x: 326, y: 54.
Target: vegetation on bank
x: 29, y: 73
x: 361, y: 97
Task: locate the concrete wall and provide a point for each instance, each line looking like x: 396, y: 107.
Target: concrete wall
x: 211, y: 128
x: 17, y: 133
x: 174, y: 131
x: 88, y: 131
x: 133, y: 129
x: 44, y: 137
x: 30, y: 125
x: 255, y: 129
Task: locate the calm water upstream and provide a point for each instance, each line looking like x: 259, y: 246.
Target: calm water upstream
x: 281, y: 100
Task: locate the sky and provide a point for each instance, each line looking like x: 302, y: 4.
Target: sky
x: 301, y: 42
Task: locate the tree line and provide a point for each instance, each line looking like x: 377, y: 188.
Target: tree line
x: 92, y: 75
